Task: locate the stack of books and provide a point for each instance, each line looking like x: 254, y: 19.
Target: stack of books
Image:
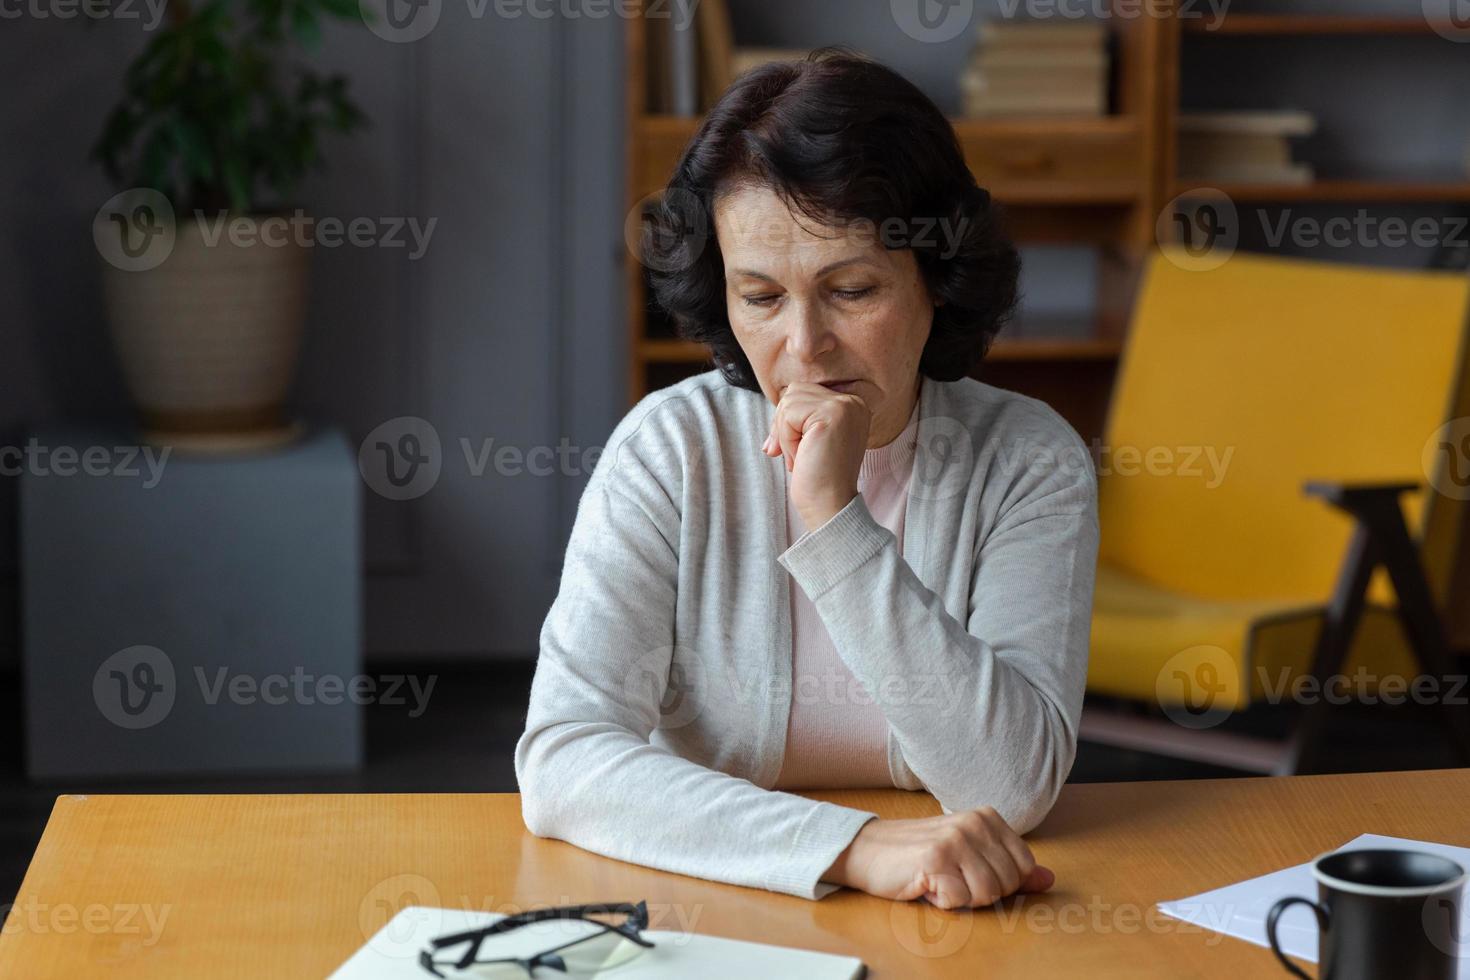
x: 1243, y: 147
x: 1038, y: 68
x: 691, y: 56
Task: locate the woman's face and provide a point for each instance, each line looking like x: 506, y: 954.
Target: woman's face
x: 823, y: 304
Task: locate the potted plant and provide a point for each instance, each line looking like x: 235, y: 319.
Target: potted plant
x: 205, y: 267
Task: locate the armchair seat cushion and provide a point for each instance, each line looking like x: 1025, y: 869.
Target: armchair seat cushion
x: 1154, y: 644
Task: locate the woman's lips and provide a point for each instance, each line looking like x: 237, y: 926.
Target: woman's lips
x: 840, y: 385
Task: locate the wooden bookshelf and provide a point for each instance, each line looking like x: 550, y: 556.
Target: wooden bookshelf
x: 1101, y: 182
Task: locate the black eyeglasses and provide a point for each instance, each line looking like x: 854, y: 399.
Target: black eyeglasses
x: 596, y: 946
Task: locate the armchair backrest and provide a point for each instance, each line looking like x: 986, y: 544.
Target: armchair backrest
x: 1241, y: 383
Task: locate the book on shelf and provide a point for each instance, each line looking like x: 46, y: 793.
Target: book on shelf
x: 1037, y: 68
x: 687, y: 61
x: 1270, y: 122
x: 1251, y: 147
x: 684, y: 69
x: 1043, y: 33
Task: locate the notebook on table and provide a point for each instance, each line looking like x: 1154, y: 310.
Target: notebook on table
x: 393, y: 953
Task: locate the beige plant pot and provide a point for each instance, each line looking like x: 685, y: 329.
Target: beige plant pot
x: 208, y: 338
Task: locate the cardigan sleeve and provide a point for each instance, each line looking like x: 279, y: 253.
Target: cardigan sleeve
x: 985, y: 710
x: 588, y: 773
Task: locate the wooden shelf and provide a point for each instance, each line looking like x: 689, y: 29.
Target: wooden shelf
x: 1031, y: 161
x: 1384, y: 190
x: 1298, y: 25
x: 673, y: 351
x: 1054, y: 349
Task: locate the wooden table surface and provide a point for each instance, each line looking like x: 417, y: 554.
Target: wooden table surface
x: 288, y: 886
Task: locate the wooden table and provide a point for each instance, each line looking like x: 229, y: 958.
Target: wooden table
x: 289, y: 886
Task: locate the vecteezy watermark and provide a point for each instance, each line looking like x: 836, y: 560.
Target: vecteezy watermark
x: 1446, y: 459
x: 1450, y: 19
x: 405, y: 21
x: 937, y: 21
x: 668, y: 230
x: 1201, y: 229
x: 932, y: 933
x: 142, y: 922
x: 403, y: 458
x: 1208, y: 464
x: 145, y: 463
x: 137, y: 688
x: 1097, y: 916
x: 683, y: 681
x: 299, y: 228
x: 150, y: 12
x: 1363, y: 686
x: 1200, y: 687
x: 137, y: 230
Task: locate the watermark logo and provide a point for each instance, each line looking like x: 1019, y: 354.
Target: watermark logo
x: 1197, y: 687
x: 134, y: 688
x: 667, y: 230
x: 400, y: 21
x: 135, y: 231
x: 1199, y: 230
x: 1450, y: 19
x: 672, y: 677
x: 1447, y: 926
x: 929, y: 932
x: 944, y: 459
x: 933, y: 21
x: 402, y: 458
x: 379, y: 908
x: 1446, y: 459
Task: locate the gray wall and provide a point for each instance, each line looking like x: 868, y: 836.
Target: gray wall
x: 508, y: 131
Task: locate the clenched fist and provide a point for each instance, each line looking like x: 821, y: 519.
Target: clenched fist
x: 967, y: 859
x: 823, y: 434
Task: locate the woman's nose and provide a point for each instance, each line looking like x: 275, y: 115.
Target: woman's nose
x: 809, y: 336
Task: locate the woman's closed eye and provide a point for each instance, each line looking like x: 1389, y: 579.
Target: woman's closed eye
x: 769, y: 299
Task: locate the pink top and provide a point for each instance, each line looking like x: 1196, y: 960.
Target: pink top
x: 836, y: 735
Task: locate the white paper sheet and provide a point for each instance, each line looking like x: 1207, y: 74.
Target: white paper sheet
x: 1240, y: 910
x: 392, y: 953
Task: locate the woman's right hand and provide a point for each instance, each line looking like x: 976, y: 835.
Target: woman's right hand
x: 968, y: 859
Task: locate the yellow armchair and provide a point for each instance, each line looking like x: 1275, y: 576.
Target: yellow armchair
x: 1216, y: 569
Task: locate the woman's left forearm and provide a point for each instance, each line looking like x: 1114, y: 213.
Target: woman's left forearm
x: 984, y: 711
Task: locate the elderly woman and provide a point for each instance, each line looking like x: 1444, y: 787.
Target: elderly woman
x: 836, y: 560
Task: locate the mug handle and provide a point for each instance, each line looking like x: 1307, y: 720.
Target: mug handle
x: 1275, y: 914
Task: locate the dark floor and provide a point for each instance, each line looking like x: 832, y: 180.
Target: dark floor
x: 465, y: 739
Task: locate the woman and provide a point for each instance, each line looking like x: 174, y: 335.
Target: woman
x: 835, y: 560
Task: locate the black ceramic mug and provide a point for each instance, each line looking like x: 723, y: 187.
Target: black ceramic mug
x: 1382, y: 913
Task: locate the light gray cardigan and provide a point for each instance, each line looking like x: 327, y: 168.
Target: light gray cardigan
x: 658, y: 711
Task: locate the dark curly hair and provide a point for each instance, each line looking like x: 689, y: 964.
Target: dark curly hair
x: 839, y: 138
